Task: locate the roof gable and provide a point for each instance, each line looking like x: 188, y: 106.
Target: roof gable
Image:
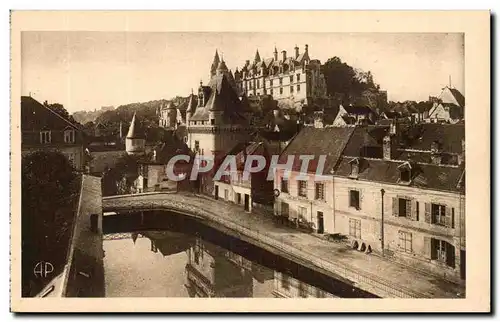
x: 329, y: 142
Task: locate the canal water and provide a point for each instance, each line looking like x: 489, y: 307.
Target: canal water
x: 173, y: 264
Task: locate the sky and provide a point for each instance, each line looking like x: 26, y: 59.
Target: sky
x: 88, y: 70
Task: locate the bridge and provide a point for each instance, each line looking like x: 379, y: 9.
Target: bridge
x: 96, y: 216
x: 332, y: 259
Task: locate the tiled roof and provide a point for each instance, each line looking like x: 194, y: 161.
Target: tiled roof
x: 102, y: 160
x: 134, y: 130
x: 424, y: 176
x: 449, y: 136
x: 365, y: 136
x: 359, y: 110
x: 201, y: 114
x: 36, y: 116
x: 329, y: 141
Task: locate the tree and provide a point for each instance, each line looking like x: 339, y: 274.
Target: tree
x: 49, y: 195
x: 346, y: 83
x: 59, y: 109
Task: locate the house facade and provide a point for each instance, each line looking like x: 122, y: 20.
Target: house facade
x: 449, y: 107
x: 307, y: 199
x: 408, y: 209
x: 296, y: 77
x: 354, y: 115
x: 254, y: 190
x: 43, y: 129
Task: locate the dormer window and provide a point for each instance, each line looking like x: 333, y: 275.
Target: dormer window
x: 45, y: 137
x: 69, y: 136
x: 405, y: 173
x: 354, y: 167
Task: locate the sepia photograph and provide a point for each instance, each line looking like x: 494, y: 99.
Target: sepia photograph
x: 245, y: 164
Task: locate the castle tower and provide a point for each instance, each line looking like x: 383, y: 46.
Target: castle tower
x: 191, y: 106
x: 135, y: 143
x: 222, y: 68
x: 171, y: 111
x: 215, y: 64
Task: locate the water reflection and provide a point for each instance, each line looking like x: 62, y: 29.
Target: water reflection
x: 171, y: 264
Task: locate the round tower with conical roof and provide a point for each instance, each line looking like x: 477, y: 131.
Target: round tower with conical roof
x: 135, y: 143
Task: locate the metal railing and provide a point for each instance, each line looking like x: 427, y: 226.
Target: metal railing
x: 296, y: 253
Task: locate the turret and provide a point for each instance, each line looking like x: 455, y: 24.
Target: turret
x: 215, y: 64
x: 257, y: 57
x: 275, y: 54
x: 135, y: 142
x: 222, y: 68
x: 191, y: 106
x: 171, y: 116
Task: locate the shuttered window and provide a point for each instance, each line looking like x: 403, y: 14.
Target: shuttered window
x: 442, y: 251
x: 302, y: 186
x: 284, y: 185
x: 320, y: 191
x: 355, y: 228
x: 354, y: 199
x: 405, y: 241
x: 403, y: 206
x: 438, y: 214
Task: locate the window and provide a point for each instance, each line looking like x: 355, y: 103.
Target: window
x: 284, y: 185
x: 355, y: 228
x: 226, y: 194
x: 281, y: 90
x: 285, y: 209
x: 298, y: 88
x: 405, y: 241
x: 238, y: 198
x: 298, y: 77
x: 404, y: 175
x: 443, y: 252
x: 404, y: 206
x: 291, y: 79
x: 302, y: 186
x: 354, y: 199
x: 212, y: 121
x: 196, y: 144
x: 258, y: 84
x: 69, y: 136
x: 291, y: 89
x: 271, y: 82
x: 285, y: 281
x: 45, y: 137
x: 319, y: 191
x: 438, y: 214
x: 281, y: 81
x: 302, y: 213
x: 302, y: 289
x: 271, y: 92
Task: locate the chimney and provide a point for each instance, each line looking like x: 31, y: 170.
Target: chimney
x: 388, y: 148
x: 283, y: 53
x: 306, y: 50
x: 275, y: 53
x: 296, y: 52
x: 435, y: 153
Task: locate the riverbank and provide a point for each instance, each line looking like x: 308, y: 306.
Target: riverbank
x: 334, y: 259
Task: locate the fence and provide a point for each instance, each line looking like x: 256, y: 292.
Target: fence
x: 367, y: 281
